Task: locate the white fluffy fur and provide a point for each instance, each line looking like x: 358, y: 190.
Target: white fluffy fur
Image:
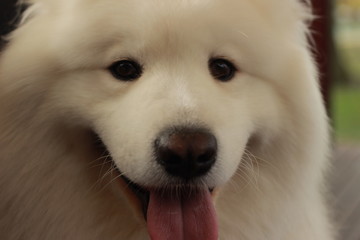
x: 54, y: 86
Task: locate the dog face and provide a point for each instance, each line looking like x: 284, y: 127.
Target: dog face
x: 174, y: 46
x: 138, y: 73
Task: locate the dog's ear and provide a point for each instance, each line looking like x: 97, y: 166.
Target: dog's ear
x: 303, y: 9
x: 33, y: 8
x: 25, y: 11
x: 34, y: 1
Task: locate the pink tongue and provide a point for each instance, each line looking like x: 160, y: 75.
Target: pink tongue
x: 186, y: 216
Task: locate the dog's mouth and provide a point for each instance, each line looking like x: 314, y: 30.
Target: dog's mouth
x: 180, y: 212
x: 141, y: 195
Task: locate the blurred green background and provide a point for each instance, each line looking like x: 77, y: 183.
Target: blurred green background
x: 346, y: 92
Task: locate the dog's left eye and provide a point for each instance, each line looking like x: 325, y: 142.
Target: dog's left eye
x: 126, y: 70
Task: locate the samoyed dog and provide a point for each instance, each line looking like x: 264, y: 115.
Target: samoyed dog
x: 162, y: 120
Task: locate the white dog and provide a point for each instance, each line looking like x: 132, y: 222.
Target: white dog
x: 163, y: 120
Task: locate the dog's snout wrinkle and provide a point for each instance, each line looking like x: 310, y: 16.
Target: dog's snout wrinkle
x: 186, y: 152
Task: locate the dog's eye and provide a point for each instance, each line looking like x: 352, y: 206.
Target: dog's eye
x: 221, y: 69
x: 126, y: 70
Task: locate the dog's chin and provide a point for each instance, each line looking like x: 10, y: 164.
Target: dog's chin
x: 139, y: 196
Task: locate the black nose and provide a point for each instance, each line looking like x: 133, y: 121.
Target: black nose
x: 186, y: 152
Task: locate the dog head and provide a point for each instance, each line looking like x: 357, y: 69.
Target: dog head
x: 175, y: 90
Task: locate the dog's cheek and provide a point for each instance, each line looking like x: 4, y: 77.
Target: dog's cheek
x: 232, y: 142
x: 128, y: 138
x: 76, y: 97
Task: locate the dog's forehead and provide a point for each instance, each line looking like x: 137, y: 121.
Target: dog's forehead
x: 130, y: 17
x: 150, y: 15
x: 98, y: 31
x: 152, y: 20
x: 138, y: 25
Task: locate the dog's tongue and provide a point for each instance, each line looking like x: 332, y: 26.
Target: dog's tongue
x: 187, y: 216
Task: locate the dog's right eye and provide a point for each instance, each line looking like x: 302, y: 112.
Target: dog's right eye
x: 126, y: 70
x: 222, y: 69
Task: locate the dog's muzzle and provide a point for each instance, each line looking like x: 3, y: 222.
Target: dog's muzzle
x: 184, y: 210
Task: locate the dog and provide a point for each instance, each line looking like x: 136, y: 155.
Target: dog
x: 188, y: 119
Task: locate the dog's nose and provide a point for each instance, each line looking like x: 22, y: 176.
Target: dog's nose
x: 186, y: 152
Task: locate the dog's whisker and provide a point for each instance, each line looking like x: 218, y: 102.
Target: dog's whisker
x: 102, y: 156
x: 109, y: 174
x: 110, y: 170
x: 237, y: 186
x: 253, y: 166
x: 260, y: 160
x: 249, y: 171
x: 108, y: 161
x: 253, y: 172
x: 244, y: 177
x: 112, y: 180
x: 103, y: 176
